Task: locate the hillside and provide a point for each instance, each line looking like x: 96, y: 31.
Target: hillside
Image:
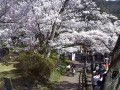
x: 112, y: 7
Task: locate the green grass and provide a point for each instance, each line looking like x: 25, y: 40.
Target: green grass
x: 5, y: 71
x: 4, y: 68
x: 55, y: 76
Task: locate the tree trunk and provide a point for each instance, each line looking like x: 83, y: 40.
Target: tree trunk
x: 55, y: 28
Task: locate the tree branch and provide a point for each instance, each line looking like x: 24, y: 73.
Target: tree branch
x: 7, y: 22
x: 106, y: 45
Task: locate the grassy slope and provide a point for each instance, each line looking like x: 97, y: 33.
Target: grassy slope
x: 55, y: 76
x: 5, y: 71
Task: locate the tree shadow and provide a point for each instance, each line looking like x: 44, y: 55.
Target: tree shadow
x: 23, y: 83
x: 16, y: 78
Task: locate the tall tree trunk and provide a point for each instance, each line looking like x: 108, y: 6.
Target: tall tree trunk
x: 55, y: 29
x: 115, y: 51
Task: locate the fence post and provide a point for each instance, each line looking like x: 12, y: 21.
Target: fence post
x: 8, y: 84
x: 82, y: 81
x: 85, y: 81
x: 80, y: 75
x: 85, y: 78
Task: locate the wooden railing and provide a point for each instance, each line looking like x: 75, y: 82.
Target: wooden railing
x: 84, y: 79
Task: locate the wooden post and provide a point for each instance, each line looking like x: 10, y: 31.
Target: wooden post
x: 85, y: 72
x: 8, y: 84
x: 82, y: 80
x: 85, y: 81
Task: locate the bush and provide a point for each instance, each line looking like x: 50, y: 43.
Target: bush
x: 64, y: 60
x: 7, y: 58
x: 54, y: 58
x: 35, y: 64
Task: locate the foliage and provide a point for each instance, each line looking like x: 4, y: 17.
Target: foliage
x: 5, y: 59
x: 59, y: 70
x: 56, y: 74
x: 57, y: 23
x: 4, y: 68
x: 9, y: 58
x: 64, y: 60
x: 35, y: 64
x: 54, y: 57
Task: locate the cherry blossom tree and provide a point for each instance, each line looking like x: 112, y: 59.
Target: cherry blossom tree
x: 84, y: 23
x: 58, y: 23
x: 41, y: 18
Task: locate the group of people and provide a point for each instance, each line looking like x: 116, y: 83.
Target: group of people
x: 98, y: 75
x: 70, y: 69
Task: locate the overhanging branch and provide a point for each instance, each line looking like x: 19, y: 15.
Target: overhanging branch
x: 106, y: 46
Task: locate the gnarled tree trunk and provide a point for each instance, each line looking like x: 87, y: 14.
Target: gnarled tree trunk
x: 112, y: 81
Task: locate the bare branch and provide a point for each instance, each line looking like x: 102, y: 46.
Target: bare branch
x: 106, y: 45
x: 7, y: 22
x: 4, y: 10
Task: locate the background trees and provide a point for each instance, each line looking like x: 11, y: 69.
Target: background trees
x: 57, y: 23
x: 85, y: 23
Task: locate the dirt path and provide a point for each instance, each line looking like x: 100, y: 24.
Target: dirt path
x: 70, y: 82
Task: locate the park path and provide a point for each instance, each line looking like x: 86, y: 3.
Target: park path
x: 71, y: 82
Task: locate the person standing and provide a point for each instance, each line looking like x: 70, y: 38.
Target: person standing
x: 97, y: 68
x: 68, y: 69
x: 73, y: 69
x: 95, y: 80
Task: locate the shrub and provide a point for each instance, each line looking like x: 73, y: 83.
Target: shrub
x: 7, y: 58
x: 35, y: 64
x: 64, y: 60
x: 54, y: 58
